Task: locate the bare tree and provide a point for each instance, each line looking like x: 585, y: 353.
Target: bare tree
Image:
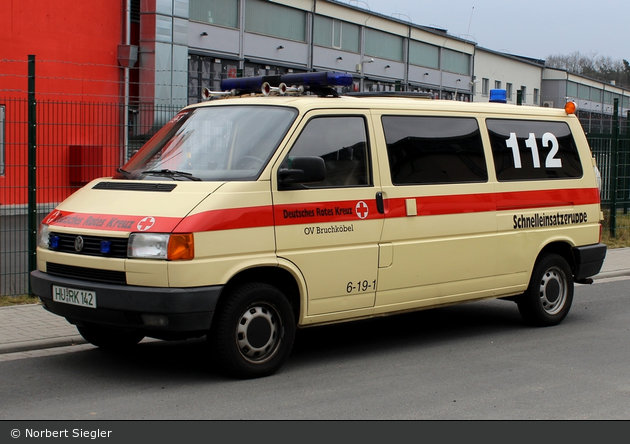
x: 593, y: 65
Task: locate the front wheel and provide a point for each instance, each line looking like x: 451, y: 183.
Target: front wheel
x: 252, y: 333
x: 548, y: 298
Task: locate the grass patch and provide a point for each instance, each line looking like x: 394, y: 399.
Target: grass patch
x: 622, y: 231
x: 7, y: 301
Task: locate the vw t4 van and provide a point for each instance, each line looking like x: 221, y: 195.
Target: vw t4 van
x: 249, y: 216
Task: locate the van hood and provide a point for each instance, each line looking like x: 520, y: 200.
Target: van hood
x: 128, y: 206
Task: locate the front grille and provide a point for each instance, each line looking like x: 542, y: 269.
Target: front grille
x: 87, y: 274
x: 91, y: 245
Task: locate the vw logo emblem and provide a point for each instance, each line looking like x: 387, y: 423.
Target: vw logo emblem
x: 78, y: 244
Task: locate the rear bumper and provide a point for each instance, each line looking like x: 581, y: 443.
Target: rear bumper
x: 588, y: 260
x: 123, y: 306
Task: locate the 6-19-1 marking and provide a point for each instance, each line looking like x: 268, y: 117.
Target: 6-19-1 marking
x: 361, y: 286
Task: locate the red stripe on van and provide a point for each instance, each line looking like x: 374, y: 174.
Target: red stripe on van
x: 227, y: 219
x: 507, y: 201
x: 323, y: 212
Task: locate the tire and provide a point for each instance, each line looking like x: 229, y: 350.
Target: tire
x: 109, y: 338
x: 253, y: 331
x: 548, y: 298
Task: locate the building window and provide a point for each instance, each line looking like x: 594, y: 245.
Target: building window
x: 523, y: 94
x: 215, y: 12
x: 456, y: 62
x: 536, y: 96
x: 335, y: 34
x: 383, y: 45
x: 508, y: 91
x: 275, y: 20
x: 572, y: 89
x: 207, y: 72
x: 423, y: 54
x: 497, y: 84
x: 584, y: 92
x: 485, y: 87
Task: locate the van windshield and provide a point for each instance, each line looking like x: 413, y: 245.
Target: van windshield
x: 215, y: 143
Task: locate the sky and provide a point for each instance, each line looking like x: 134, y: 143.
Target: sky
x: 530, y: 28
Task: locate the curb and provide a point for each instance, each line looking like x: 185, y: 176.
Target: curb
x: 40, y: 344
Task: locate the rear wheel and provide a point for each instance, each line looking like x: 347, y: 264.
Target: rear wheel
x: 548, y: 298
x: 252, y: 333
x: 109, y: 338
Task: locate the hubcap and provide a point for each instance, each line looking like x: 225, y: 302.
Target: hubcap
x: 553, y: 290
x: 258, y: 333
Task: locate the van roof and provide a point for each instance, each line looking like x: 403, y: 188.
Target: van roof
x: 306, y: 103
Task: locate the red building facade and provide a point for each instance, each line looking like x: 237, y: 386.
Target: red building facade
x: 79, y: 89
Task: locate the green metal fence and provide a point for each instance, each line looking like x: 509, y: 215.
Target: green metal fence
x: 612, y: 152
x: 48, y: 150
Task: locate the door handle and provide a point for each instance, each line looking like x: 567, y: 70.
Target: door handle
x: 380, y: 204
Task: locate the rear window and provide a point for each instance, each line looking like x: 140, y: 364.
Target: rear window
x: 533, y: 150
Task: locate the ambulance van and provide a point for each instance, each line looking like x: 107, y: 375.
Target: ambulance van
x: 249, y: 216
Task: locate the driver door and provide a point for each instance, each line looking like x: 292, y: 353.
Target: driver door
x: 330, y: 229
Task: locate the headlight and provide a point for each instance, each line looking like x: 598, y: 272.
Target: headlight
x: 161, y: 246
x: 42, y: 241
x: 148, y: 245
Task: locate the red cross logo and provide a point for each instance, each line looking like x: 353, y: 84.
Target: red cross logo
x: 362, y: 210
x: 146, y: 223
x: 53, y: 217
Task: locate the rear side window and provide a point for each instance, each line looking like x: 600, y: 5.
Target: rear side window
x: 434, y: 150
x: 533, y: 150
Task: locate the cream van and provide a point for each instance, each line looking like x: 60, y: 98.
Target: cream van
x: 248, y: 217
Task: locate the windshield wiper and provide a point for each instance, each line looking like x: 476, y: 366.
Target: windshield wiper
x: 172, y: 174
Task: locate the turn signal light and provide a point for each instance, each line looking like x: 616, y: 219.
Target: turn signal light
x: 181, y: 247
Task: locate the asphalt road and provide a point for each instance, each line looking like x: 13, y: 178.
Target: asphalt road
x: 474, y: 361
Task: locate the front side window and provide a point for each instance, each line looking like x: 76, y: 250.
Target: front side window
x: 215, y: 143
x: 526, y: 150
x: 342, y: 143
x: 434, y: 150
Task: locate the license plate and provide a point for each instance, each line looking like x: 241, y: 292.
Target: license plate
x: 74, y: 296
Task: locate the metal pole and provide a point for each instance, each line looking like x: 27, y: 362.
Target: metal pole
x: 126, y: 84
x: 32, y: 168
x: 614, y: 170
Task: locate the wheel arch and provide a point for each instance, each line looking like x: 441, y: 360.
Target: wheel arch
x: 282, y: 278
x: 560, y: 247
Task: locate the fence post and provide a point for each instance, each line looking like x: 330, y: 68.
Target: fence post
x: 32, y: 168
x: 626, y: 166
x: 614, y: 170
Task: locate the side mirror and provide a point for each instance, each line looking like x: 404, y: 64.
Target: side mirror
x: 303, y: 170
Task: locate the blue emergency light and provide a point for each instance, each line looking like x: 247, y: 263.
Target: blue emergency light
x: 106, y: 247
x: 498, y: 96
x: 53, y: 241
x: 315, y: 81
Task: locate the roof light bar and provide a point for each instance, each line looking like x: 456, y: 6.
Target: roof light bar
x: 310, y: 80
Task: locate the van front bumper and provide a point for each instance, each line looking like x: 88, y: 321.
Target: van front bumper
x: 588, y: 260
x: 184, y: 310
